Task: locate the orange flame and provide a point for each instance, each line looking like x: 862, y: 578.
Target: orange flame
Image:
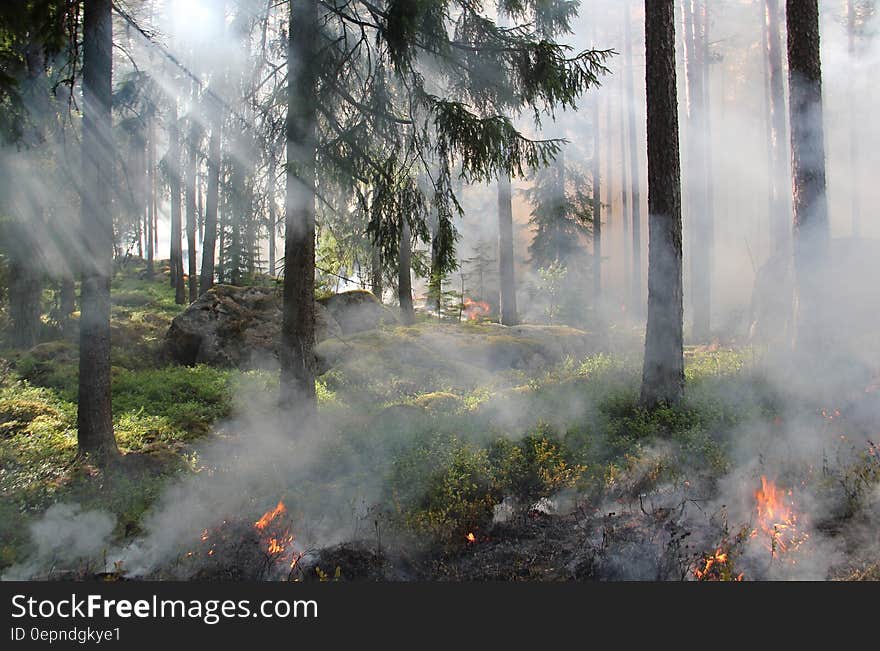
x: 471, y: 538
x: 777, y: 519
x: 716, y: 568
x: 268, y: 516
x: 475, y: 309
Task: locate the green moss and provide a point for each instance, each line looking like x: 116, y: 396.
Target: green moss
x: 190, y: 398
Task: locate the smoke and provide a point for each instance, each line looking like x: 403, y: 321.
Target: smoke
x: 64, y: 536
x: 332, y: 473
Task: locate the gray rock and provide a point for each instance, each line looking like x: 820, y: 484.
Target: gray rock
x: 357, y: 311
x: 235, y: 327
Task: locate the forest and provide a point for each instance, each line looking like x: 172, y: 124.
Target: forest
x: 439, y: 290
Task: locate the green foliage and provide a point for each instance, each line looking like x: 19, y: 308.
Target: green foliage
x: 191, y: 399
x: 25, y: 28
x: 533, y: 468
x: 562, y: 215
x: 444, y: 490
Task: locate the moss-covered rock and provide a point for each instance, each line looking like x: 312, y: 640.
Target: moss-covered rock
x: 404, y: 361
x: 357, y: 311
x: 235, y: 327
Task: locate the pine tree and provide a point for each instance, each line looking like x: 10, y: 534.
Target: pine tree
x: 811, y: 226
x: 698, y: 205
x: 486, y: 71
x: 94, y: 413
x: 663, y: 371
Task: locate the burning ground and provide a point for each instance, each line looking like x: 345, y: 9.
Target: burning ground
x: 444, y: 452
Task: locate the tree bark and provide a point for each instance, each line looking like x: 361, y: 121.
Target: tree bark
x: 192, y: 164
x: 67, y: 297
x: 298, y: 323
x: 856, y: 207
x: 376, y: 271
x: 597, y: 206
x: 811, y: 228
x: 698, y: 179
x: 174, y: 182
x: 435, y: 282
x: 635, y: 179
x: 151, y: 194
x: 212, y: 201
x: 780, y: 215
x: 272, y: 225
x: 506, y: 260
x: 25, y: 291
x: 663, y: 371
x: 94, y: 413
x: 404, y: 279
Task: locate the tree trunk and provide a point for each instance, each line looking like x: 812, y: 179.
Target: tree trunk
x: 25, y: 292
x: 298, y: 324
x: 854, y: 134
x: 404, y: 279
x: 66, y: 298
x: 780, y: 216
x: 174, y: 181
x: 376, y: 271
x: 272, y: 225
x: 811, y: 228
x: 635, y: 178
x: 200, y: 211
x: 506, y: 260
x: 192, y: 164
x: 435, y: 282
x: 663, y: 371
x: 206, y: 281
x: 597, y: 201
x: 697, y: 173
x: 151, y: 194
x: 236, y: 214
x: 94, y: 414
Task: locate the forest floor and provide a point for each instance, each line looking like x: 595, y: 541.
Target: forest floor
x: 527, y: 474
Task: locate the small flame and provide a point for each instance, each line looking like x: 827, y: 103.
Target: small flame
x: 268, y: 516
x: 716, y: 567
x: 471, y: 538
x: 475, y: 309
x: 777, y: 519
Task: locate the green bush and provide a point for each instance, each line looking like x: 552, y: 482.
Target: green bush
x: 533, y: 468
x: 444, y: 490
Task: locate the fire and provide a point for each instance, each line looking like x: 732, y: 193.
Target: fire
x: 716, y: 567
x: 270, y: 540
x: 777, y: 519
x: 471, y: 538
x: 476, y: 309
x: 279, y: 539
x: 268, y: 516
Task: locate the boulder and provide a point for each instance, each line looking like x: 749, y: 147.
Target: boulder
x: 449, y: 355
x: 235, y: 327
x: 241, y: 326
x: 357, y: 311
